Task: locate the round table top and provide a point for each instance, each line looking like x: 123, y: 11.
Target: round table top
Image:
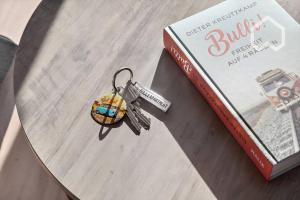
x: 66, y: 59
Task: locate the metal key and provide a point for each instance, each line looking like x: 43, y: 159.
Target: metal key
x: 133, y: 110
x: 143, y: 120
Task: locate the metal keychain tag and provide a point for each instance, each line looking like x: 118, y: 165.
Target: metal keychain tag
x: 153, y: 98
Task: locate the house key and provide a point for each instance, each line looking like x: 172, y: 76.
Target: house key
x: 130, y: 95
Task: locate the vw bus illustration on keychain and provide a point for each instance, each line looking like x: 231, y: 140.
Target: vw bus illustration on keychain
x: 280, y: 88
x: 106, y: 110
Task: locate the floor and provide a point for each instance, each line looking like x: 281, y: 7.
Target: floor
x: 21, y: 176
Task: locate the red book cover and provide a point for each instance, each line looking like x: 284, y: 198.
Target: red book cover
x: 242, y: 56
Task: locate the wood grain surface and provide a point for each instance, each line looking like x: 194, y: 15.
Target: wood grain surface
x: 67, y: 57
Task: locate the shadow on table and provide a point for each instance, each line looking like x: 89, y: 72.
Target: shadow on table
x: 215, y: 154
x: 30, y: 45
x: 32, y: 40
x: 106, y: 129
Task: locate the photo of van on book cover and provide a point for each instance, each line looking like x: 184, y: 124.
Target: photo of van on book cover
x: 243, y: 56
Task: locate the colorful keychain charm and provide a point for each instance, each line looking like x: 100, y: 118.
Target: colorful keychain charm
x: 109, y: 109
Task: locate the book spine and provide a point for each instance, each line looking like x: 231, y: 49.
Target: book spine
x: 238, y: 132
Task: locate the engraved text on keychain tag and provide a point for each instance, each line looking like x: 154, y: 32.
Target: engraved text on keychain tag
x: 153, y: 98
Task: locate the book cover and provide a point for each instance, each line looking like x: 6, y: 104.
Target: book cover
x: 243, y: 56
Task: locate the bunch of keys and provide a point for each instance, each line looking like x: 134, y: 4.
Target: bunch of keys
x: 111, y: 108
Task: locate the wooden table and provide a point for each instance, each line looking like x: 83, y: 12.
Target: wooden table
x: 67, y: 57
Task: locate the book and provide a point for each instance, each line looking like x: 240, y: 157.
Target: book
x: 243, y: 57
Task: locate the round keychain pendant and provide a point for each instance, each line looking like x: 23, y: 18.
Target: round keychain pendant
x: 108, y: 109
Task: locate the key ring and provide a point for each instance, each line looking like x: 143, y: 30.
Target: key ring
x: 118, y: 72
